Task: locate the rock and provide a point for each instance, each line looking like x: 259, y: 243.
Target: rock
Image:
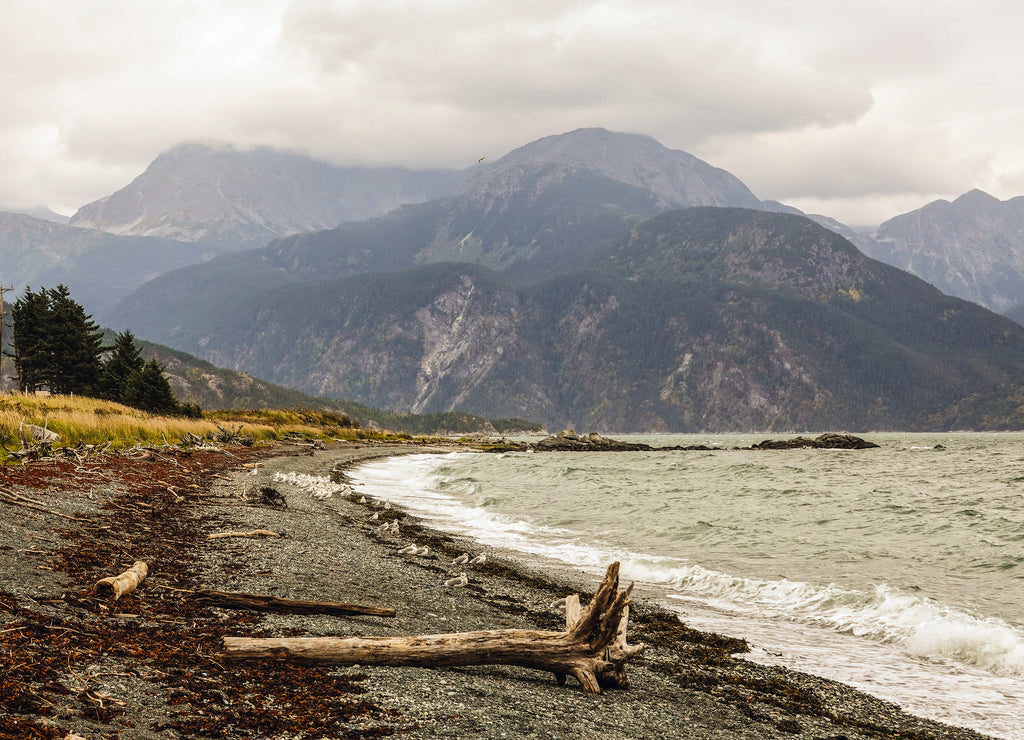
x: 827, y: 441
x: 568, y: 441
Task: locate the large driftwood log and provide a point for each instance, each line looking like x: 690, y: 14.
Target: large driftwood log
x: 126, y: 582
x: 593, y: 648
x: 258, y: 602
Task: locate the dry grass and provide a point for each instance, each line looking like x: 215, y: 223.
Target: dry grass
x: 82, y: 419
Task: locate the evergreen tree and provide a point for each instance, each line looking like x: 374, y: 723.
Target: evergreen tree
x: 31, y: 327
x: 149, y: 390
x: 56, y: 344
x: 124, y: 361
x: 76, y: 342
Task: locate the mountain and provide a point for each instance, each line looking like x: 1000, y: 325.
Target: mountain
x: 713, y: 319
x: 217, y: 193
x: 98, y: 267
x: 972, y: 247
x: 540, y: 209
x: 215, y: 388
x: 676, y: 178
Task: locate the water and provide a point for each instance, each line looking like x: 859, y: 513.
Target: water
x: 899, y: 571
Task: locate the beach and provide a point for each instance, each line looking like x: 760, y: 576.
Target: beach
x: 150, y: 664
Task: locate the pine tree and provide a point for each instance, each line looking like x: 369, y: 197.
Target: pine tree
x: 31, y: 327
x: 77, y: 346
x: 124, y: 361
x: 56, y: 344
x: 149, y: 390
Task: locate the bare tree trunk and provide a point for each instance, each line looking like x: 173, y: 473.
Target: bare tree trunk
x: 593, y: 649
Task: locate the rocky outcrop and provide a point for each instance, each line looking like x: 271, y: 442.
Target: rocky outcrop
x: 568, y: 441
x: 829, y: 441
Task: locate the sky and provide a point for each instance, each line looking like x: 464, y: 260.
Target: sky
x: 859, y: 110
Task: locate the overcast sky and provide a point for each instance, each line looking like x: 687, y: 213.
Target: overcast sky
x: 859, y: 109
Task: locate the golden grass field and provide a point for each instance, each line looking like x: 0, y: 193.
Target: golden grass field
x: 79, y: 419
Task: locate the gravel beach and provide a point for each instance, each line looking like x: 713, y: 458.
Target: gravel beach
x: 149, y: 665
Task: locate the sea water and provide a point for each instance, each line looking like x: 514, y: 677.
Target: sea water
x: 897, y: 570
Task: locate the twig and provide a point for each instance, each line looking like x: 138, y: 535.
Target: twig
x: 253, y: 533
x: 13, y: 498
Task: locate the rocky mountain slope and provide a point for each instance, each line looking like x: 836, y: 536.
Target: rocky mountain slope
x: 675, y: 178
x: 698, y: 319
x: 972, y: 247
x: 541, y: 209
x: 225, y: 199
x: 217, y: 193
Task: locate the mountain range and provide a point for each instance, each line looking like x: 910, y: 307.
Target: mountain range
x: 590, y: 279
x: 972, y: 247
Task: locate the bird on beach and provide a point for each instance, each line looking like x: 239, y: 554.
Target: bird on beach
x: 462, y: 559
x: 409, y: 549
x: 478, y: 560
x: 557, y: 603
x: 458, y: 582
x: 422, y: 551
x: 375, y: 517
x: 387, y: 504
x: 362, y: 499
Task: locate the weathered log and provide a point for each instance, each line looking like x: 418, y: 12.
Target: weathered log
x: 253, y: 533
x: 259, y: 602
x: 593, y: 649
x: 126, y: 582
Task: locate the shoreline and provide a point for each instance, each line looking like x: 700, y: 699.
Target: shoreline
x: 687, y: 683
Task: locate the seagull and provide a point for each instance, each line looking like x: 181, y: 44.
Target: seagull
x: 362, y: 499
x: 393, y: 527
x: 457, y: 582
x: 409, y: 549
x: 375, y: 517
x: 481, y: 159
x: 478, y: 560
x: 462, y: 559
x: 557, y: 603
x: 423, y: 551
x: 387, y: 504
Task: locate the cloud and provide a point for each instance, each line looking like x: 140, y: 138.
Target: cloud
x: 833, y: 102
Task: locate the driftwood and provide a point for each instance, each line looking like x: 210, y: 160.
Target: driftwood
x: 258, y: 602
x: 126, y: 582
x: 13, y: 498
x: 593, y: 648
x: 253, y: 533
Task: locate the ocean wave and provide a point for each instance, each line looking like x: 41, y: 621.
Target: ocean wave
x: 921, y: 627
x: 925, y: 628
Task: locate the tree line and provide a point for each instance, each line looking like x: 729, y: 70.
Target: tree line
x: 58, y: 348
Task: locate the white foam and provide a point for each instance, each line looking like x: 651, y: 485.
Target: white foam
x: 966, y: 650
